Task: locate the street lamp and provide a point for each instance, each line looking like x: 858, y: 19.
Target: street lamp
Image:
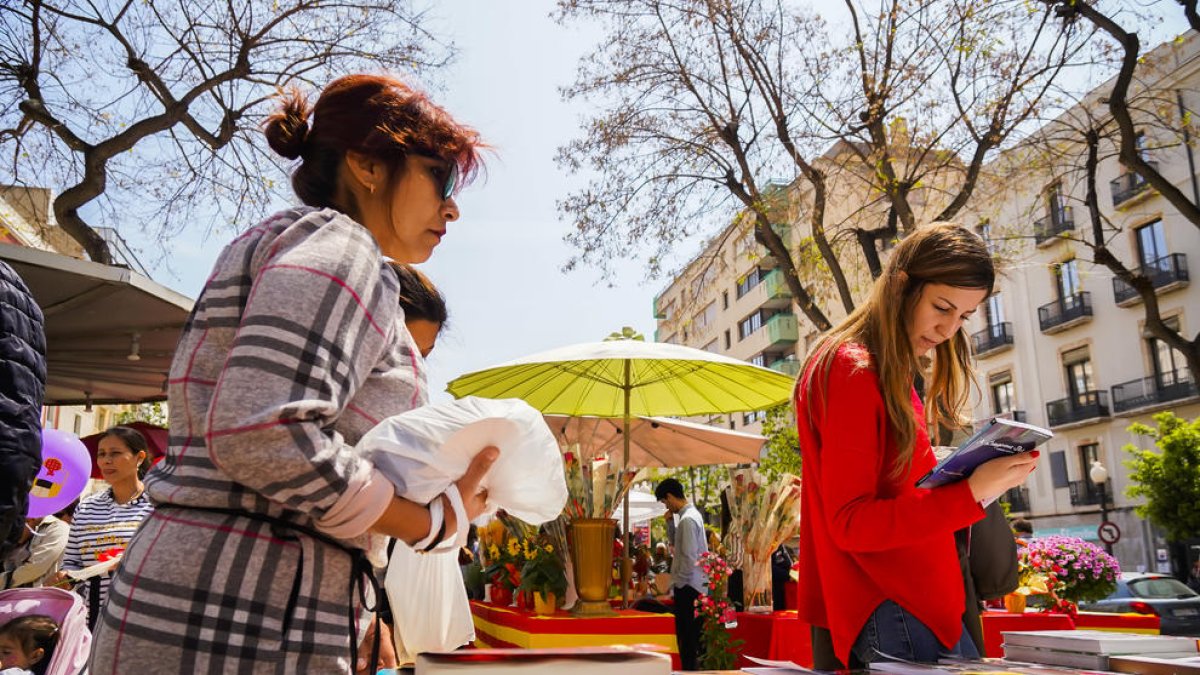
x: 1099, y: 476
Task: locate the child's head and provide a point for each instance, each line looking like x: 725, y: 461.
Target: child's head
x: 27, y: 641
x: 424, y: 307
x: 933, y: 282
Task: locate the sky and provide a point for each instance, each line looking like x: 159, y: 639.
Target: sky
x: 500, y: 264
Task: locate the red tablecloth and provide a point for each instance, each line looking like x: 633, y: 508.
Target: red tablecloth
x: 1121, y: 623
x: 779, y: 636
x: 996, y: 622
x: 511, y: 627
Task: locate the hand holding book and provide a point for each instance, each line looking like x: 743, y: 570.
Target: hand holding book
x: 999, y: 457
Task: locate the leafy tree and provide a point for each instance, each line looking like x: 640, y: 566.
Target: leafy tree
x: 151, y: 413
x: 1169, y: 477
x: 703, y: 104
x: 148, y: 109
x: 783, y: 443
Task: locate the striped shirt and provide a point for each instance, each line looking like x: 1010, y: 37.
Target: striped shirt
x: 101, y: 530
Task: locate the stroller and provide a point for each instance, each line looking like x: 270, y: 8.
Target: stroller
x: 74, y: 639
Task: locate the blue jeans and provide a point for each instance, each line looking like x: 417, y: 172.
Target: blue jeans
x: 891, y: 631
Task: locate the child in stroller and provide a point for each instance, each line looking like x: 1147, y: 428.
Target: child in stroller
x: 27, y: 644
x: 63, y: 610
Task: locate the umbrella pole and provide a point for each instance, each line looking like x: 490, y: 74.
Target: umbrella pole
x: 626, y: 565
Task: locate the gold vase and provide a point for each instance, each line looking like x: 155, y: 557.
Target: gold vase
x: 543, y: 605
x: 1014, y: 603
x: 591, y: 560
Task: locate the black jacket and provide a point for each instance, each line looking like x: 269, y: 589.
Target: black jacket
x: 22, y: 389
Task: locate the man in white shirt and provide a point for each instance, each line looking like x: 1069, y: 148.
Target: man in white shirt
x: 687, y: 581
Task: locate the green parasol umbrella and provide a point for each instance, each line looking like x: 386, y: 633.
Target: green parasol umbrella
x: 626, y: 377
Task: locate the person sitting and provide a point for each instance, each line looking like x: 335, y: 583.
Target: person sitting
x: 26, y: 645
x: 39, y: 553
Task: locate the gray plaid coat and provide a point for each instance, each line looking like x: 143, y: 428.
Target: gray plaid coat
x: 295, y: 348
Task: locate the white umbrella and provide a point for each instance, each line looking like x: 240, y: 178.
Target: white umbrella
x: 643, y: 508
x: 657, y: 441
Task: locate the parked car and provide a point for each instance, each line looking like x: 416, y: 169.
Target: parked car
x: 1176, y: 606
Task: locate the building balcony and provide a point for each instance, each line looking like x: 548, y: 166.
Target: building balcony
x: 1166, y: 274
x: 1067, y: 311
x: 1128, y: 185
x: 1087, y: 493
x: 1017, y: 499
x: 790, y: 367
x: 993, y: 339
x: 1090, y: 405
x: 782, y: 329
x: 1048, y: 228
x: 767, y: 259
x: 1146, y: 392
x: 776, y: 289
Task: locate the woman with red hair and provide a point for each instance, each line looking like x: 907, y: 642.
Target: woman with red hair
x: 268, y: 519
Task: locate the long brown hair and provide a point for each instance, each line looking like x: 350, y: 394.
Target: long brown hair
x: 939, y: 253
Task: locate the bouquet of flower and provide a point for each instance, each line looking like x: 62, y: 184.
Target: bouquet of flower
x: 715, y: 611
x: 543, y: 571
x: 1075, y: 570
x: 594, y: 487
x: 503, y: 562
x: 763, y: 515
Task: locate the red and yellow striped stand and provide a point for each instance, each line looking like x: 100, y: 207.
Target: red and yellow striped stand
x: 1147, y: 624
x: 509, y: 627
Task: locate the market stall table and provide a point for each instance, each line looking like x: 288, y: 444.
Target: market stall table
x: 995, y: 623
x: 778, y: 636
x: 512, y: 627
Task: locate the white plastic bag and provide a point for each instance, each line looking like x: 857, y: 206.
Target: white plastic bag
x: 424, y: 450
x: 429, y: 603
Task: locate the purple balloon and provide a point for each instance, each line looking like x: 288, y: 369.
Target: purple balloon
x: 66, y: 466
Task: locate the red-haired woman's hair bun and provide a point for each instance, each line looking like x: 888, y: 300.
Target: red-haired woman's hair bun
x: 287, y: 128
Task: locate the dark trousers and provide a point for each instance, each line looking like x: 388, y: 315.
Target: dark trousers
x: 687, y: 627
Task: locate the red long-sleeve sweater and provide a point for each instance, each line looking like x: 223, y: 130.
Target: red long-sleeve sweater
x: 866, y: 537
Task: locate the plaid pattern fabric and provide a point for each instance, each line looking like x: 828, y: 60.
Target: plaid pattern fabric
x: 295, y: 348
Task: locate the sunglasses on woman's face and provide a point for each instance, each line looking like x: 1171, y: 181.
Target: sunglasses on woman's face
x: 450, y: 182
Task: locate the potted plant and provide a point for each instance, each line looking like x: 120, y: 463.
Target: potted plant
x: 716, y: 612
x: 503, y: 571
x: 543, y: 575
x: 1075, y: 570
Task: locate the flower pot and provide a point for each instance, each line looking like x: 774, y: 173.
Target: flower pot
x: 1014, y: 603
x: 501, y: 596
x: 591, y: 560
x: 543, y: 605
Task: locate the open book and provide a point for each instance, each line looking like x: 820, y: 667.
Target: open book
x: 998, y: 438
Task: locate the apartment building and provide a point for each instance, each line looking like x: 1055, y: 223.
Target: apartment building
x: 1062, y: 344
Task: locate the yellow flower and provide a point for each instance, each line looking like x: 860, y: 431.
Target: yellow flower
x: 493, y: 552
x: 513, y: 547
x: 549, y: 548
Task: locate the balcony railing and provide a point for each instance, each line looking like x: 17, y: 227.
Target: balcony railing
x: 782, y: 328
x: 1128, y: 185
x: 995, y: 336
x: 1086, y: 493
x: 1167, y: 270
x: 1017, y: 499
x: 786, y: 366
x: 776, y: 288
x: 1054, y: 224
x: 1078, y: 408
x: 1165, y: 387
x: 1069, y: 309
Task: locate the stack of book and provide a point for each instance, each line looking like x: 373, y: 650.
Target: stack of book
x: 1092, y: 649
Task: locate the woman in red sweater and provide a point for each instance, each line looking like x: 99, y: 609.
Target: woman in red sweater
x: 878, y: 566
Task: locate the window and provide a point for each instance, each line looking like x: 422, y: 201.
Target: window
x: 1080, y: 381
x: 728, y: 343
x: 1056, y: 204
x: 984, y: 230
x: 1003, y: 393
x: 1058, y: 469
x: 747, y: 326
x: 1066, y: 276
x: 752, y: 417
x: 759, y: 359
x: 724, y: 299
x: 994, y: 311
x: 746, y: 283
x: 1152, y: 246
x: 1088, y: 453
x: 1170, y: 367
x: 1143, y: 151
x: 705, y: 317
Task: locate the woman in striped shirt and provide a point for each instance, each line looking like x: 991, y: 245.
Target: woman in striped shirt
x: 105, y: 522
